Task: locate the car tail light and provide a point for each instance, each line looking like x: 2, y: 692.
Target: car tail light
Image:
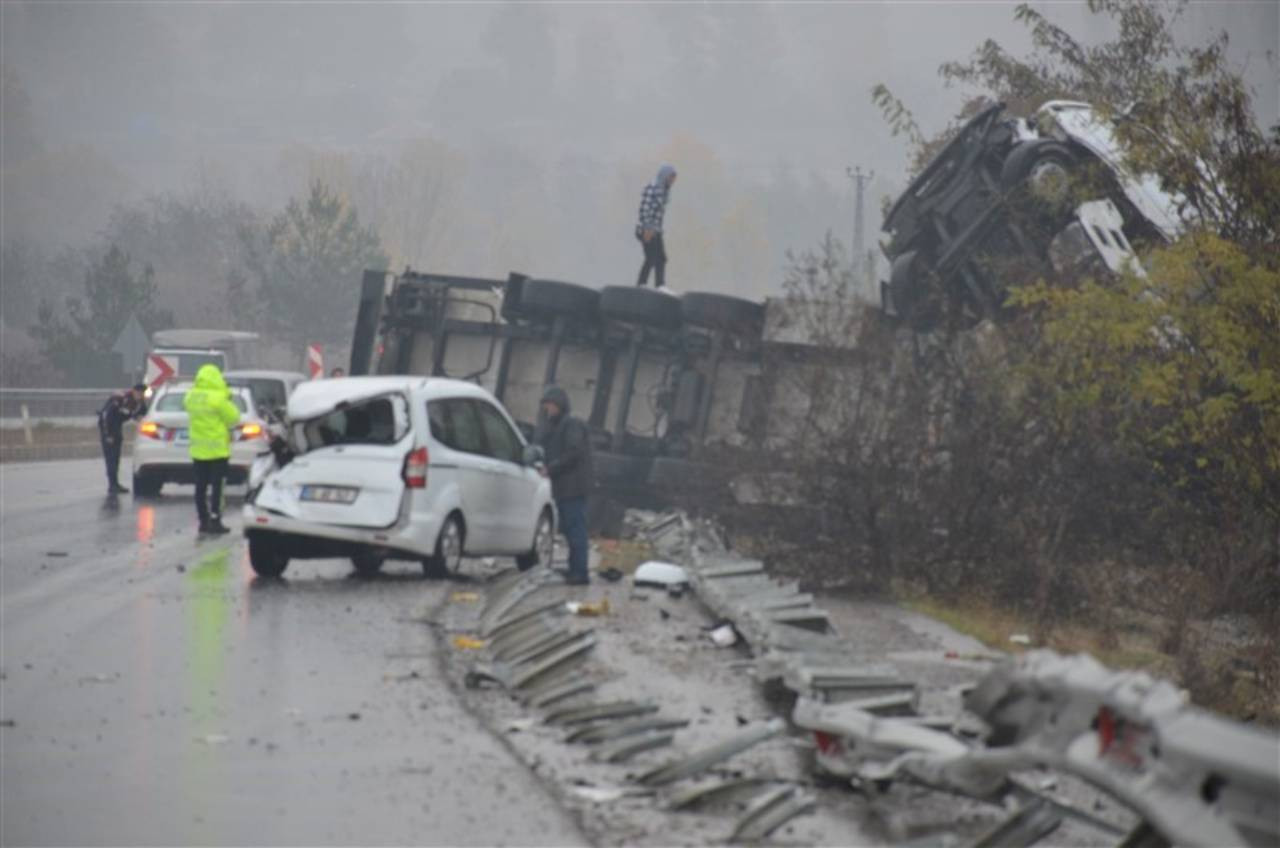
x: 250, y: 431
x: 415, y: 469
x: 150, y: 429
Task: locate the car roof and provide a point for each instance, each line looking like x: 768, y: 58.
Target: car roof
x: 315, y: 397
x: 263, y: 374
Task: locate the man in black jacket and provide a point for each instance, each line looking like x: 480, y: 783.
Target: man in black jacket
x: 567, y: 443
x: 119, y: 408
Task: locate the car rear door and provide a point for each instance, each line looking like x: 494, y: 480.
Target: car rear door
x: 352, y: 474
x: 515, y: 482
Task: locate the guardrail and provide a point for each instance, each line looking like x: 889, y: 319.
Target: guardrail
x: 51, y: 404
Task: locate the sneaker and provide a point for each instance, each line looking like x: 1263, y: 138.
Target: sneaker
x: 668, y: 290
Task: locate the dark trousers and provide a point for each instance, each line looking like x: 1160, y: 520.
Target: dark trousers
x: 655, y: 257
x: 111, y: 455
x: 573, y: 523
x: 209, y: 475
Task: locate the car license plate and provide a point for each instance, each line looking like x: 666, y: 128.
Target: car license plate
x: 329, y: 494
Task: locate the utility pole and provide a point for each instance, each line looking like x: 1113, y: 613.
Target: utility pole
x: 861, y: 269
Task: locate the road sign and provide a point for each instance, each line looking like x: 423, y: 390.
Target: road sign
x: 132, y: 345
x: 160, y: 369
x: 315, y: 361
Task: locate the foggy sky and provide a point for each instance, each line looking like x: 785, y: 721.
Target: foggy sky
x: 158, y: 96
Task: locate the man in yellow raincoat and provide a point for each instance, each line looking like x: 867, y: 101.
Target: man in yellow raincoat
x: 212, y: 415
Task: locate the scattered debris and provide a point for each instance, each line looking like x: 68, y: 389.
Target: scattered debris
x: 58, y: 554
x: 520, y: 725
x: 597, y: 712
x: 600, y: 794
x: 587, y: 608
x: 548, y: 695
x: 710, y: 789
x: 724, y: 636
x: 353, y: 716
x: 213, y: 739
x: 770, y: 810
x: 464, y: 597
x: 1020, y: 639
x: 702, y: 760
x: 101, y: 678
x: 660, y: 575
x: 593, y: 734
x: 610, y: 575
x: 468, y: 643
x: 624, y: 749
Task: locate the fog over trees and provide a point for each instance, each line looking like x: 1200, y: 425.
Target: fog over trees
x: 474, y: 139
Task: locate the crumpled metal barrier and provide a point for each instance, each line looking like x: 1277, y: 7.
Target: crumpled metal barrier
x: 1194, y: 778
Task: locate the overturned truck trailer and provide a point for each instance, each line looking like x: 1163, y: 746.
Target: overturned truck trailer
x: 660, y: 379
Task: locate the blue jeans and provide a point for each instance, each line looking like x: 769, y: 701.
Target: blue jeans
x: 573, y: 523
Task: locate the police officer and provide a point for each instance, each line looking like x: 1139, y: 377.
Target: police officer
x: 212, y: 415
x: 567, y: 444
x: 119, y: 408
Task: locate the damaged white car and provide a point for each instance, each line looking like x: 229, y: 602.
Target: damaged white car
x: 411, y: 468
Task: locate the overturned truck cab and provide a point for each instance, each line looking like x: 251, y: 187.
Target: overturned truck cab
x: 1010, y: 198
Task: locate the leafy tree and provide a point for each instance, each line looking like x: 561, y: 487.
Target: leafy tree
x: 78, y: 343
x: 305, y: 268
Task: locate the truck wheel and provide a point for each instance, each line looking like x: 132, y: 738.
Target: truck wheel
x: 551, y: 298
x: 449, y: 545
x: 722, y: 312
x: 266, y: 558
x: 911, y: 284
x: 367, y: 564
x: 636, y: 305
x: 544, y: 541
x: 1044, y: 165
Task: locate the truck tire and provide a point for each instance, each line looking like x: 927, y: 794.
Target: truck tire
x: 552, y: 298
x: 722, y: 312
x: 636, y: 305
x: 911, y: 290
x: 146, y: 485
x: 1031, y: 157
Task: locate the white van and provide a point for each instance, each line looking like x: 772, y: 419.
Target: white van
x: 424, y: 469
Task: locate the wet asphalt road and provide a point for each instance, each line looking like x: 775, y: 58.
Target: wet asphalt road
x: 155, y: 692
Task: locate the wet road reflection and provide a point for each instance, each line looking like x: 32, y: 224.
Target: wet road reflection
x: 160, y: 694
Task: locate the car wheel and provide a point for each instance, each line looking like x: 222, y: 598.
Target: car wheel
x: 721, y: 312
x: 449, y: 545
x: 544, y: 541
x: 552, y: 298
x: 367, y: 564
x: 266, y: 558
x: 146, y: 486
x: 636, y: 305
x: 913, y: 291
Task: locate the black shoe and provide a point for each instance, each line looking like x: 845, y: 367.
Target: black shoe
x: 117, y: 489
x: 205, y: 529
x: 216, y: 526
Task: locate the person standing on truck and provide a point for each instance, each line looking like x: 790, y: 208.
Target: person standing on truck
x: 567, y: 443
x: 653, y: 203
x: 212, y: 415
x: 119, y: 408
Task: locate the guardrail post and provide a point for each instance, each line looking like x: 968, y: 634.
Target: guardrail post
x: 26, y: 425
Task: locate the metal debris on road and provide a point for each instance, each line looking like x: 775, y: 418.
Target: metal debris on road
x: 770, y: 810
x: 1024, y: 828
x: 546, y: 696
x: 624, y: 749
x: 588, y: 608
x: 710, y: 789
x: 464, y: 597
x: 702, y: 760
x: 594, y: 734
x: 560, y: 662
x: 596, y: 712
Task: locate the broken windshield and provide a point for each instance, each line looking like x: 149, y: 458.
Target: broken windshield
x: 382, y: 420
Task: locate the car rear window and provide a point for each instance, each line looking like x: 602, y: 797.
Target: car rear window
x: 376, y: 421
x: 172, y: 402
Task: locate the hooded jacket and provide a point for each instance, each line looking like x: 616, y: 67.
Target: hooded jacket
x: 208, y: 405
x: 567, y: 444
x: 653, y: 201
